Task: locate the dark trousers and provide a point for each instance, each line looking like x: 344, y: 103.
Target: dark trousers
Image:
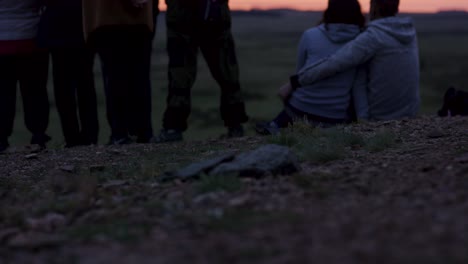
x: 218, y: 49
x: 291, y: 114
x: 75, y: 95
x: 125, y: 53
x: 30, y: 71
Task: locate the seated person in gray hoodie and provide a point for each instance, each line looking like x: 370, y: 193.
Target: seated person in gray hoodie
x: 326, y: 102
x: 389, y: 48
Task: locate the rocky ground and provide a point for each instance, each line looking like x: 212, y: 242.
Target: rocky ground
x: 390, y: 192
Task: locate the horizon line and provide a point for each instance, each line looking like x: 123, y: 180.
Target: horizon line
x: 454, y: 10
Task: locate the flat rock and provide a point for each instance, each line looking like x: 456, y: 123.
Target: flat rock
x: 196, y: 169
x: 268, y: 159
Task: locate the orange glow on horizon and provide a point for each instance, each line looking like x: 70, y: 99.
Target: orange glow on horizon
x: 419, y: 6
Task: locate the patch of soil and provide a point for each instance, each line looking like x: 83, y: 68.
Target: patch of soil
x: 406, y: 204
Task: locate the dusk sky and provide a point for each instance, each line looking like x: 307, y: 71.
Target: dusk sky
x: 406, y: 5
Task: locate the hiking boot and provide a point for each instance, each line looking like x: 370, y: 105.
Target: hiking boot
x: 168, y: 135
x: 120, y: 141
x: 4, y: 146
x: 40, y: 140
x: 235, y: 131
x: 267, y: 128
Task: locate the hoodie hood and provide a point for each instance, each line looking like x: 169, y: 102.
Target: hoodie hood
x: 400, y: 28
x: 339, y: 33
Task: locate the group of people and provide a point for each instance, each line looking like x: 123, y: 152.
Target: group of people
x: 120, y: 33
x: 346, y: 70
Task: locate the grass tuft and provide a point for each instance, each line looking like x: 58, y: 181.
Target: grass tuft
x: 381, y: 141
x: 319, y: 144
x: 284, y: 139
x: 228, y: 183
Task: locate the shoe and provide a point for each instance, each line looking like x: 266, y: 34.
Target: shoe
x: 4, y: 146
x: 168, y: 135
x: 40, y: 140
x: 235, y: 131
x: 120, y: 141
x: 267, y: 128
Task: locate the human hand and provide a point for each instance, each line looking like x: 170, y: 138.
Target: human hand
x: 285, y: 92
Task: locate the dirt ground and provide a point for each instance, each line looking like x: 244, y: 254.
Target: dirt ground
x: 405, y: 204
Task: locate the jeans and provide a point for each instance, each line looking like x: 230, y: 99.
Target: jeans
x: 291, y: 114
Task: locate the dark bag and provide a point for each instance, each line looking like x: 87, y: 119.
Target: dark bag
x: 455, y: 103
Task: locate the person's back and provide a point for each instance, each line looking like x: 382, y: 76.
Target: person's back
x: 389, y: 46
x: 330, y: 97
x: 394, y: 70
x: 327, y: 102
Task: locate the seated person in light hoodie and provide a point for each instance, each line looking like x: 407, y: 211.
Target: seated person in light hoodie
x: 389, y: 48
x: 327, y: 102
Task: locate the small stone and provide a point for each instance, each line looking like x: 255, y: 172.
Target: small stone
x: 462, y: 159
x: 114, y: 184
x: 36, y: 149
x: 68, y: 168
x: 8, y: 233
x: 436, y: 133
x: 48, y: 223
x: 239, y: 201
x: 208, y: 198
x: 31, y: 156
x: 117, y: 152
x: 155, y: 185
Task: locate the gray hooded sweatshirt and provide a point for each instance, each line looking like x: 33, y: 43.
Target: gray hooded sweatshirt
x: 390, y: 48
x: 329, y: 97
x: 19, y: 19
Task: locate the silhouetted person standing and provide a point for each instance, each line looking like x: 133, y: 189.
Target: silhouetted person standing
x: 203, y: 25
x: 23, y: 63
x: 121, y: 32
x: 61, y: 31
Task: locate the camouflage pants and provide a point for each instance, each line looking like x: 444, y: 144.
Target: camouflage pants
x: 217, y: 47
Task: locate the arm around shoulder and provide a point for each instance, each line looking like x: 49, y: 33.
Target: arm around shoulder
x: 353, y: 54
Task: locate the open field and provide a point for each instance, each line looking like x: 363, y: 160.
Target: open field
x: 266, y: 45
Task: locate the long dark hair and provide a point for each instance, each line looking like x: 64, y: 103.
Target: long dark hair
x: 344, y: 12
